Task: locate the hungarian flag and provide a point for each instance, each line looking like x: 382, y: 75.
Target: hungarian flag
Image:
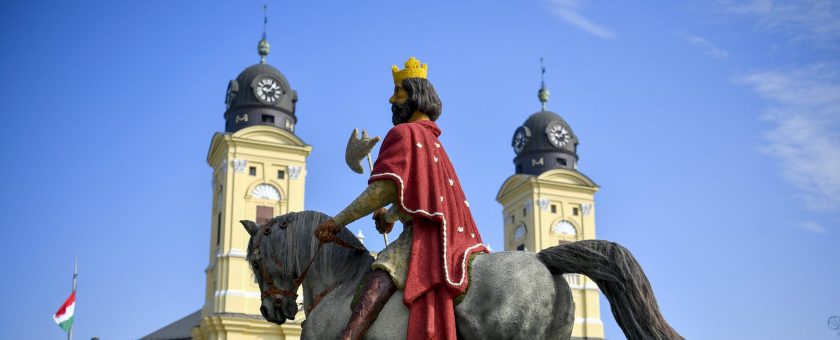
x: 64, y: 316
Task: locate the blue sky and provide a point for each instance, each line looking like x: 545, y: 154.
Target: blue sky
x: 713, y: 128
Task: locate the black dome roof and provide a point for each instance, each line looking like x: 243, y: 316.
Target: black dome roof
x: 537, y: 123
x: 245, y: 109
x: 539, y: 154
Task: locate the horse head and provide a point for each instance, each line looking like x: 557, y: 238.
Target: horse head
x: 272, y: 255
x: 281, y: 252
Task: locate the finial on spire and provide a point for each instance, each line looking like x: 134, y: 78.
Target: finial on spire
x: 542, y: 94
x: 263, y: 47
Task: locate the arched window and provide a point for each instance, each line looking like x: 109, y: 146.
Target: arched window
x: 266, y: 192
x: 565, y: 228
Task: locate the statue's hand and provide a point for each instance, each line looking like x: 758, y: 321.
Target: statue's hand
x: 382, y: 225
x: 326, y: 232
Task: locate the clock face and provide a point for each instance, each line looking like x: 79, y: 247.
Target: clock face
x: 558, y: 135
x: 519, y: 233
x: 520, y: 139
x: 267, y: 90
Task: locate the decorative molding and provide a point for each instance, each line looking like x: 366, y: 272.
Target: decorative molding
x: 266, y: 192
x: 223, y: 166
x: 239, y: 165
x: 586, y: 209
x: 595, y: 321
x: 240, y: 293
x: 294, y: 172
x: 543, y: 202
x: 238, y: 253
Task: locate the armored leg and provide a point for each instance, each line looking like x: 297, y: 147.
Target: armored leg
x: 376, y: 293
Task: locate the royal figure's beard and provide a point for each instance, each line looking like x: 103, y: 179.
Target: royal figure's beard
x: 400, y: 113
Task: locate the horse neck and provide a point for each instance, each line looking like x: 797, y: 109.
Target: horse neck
x: 335, y: 266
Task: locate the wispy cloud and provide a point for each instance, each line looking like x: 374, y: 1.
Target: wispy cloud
x: 805, y: 132
x: 801, y: 20
x: 708, y: 47
x: 813, y: 227
x: 569, y: 11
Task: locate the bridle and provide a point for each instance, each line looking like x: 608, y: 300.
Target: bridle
x: 277, y: 293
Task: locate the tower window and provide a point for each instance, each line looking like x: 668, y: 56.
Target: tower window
x: 281, y: 174
x: 519, y: 168
x: 524, y: 211
x: 561, y: 161
x: 264, y: 214
x: 575, y: 211
x: 553, y: 208
x: 219, y: 228
x: 520, y: 247
x: 512, y: 218
x: 252, y: 171
x: 268, y: 119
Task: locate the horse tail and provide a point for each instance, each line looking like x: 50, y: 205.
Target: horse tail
x: 622, y: 281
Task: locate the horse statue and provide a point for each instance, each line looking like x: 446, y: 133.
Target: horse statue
x: 512, y: 295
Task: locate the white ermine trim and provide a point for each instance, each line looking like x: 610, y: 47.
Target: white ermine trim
x: 443, y: 227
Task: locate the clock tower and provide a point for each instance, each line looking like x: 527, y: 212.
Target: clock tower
x: 549, y: 202
x: 259, y: 171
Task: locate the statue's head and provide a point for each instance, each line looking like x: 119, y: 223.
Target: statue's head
x: 413, y: 93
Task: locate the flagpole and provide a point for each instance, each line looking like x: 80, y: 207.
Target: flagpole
x: 75, y: 274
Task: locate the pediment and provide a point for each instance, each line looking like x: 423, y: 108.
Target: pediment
x: 511, y: 183
x: 268, y: 134
x: 566, y: 176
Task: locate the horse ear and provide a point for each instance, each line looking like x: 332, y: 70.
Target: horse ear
x: 250, y: 226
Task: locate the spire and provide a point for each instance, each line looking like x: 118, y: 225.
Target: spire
x: 360, y: 236
x: 542, y: 94
x: 263, y: 47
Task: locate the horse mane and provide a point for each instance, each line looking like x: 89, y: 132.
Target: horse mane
x: 291, y: 244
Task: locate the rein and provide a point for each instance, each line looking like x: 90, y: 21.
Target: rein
x: 275, y: 292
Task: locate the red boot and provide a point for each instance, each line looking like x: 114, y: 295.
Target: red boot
x: 377, y: 292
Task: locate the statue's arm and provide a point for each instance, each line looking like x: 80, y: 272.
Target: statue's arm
x: 377, y: 195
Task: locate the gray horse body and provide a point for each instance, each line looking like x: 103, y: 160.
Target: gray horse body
x: 531, y: 305
x: 512, y: 295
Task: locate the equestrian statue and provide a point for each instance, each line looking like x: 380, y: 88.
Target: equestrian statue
x: 437, y: 280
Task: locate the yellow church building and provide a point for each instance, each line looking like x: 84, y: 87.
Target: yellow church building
x: 549, y: 202
x: 259, y: 171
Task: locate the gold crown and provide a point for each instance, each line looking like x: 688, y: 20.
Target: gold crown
x: 412, y: 69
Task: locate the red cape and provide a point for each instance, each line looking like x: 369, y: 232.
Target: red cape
x: 444, y: 233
